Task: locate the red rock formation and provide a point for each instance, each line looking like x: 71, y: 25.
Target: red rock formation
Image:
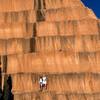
x: 59, y: 38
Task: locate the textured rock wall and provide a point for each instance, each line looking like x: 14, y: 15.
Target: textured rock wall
x: 59, y: 38
x: 54, y: 62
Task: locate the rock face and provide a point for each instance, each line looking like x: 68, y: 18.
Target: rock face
x: 58, y: 38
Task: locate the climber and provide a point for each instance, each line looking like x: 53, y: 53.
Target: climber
x: 44, y: 82
x: 41, y: 83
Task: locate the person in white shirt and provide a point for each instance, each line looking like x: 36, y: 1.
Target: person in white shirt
x: 41, y: 83
x: 44, y: 78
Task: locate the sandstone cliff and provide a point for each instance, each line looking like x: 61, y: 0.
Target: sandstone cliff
x: 59, y: 38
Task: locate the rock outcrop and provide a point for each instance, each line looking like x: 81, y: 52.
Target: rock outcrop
x: 58, y: 38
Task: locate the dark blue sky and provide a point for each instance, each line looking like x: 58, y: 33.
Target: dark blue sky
x: 94, y: 5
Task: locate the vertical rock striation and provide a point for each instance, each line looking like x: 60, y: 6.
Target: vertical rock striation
x: 59, y: 38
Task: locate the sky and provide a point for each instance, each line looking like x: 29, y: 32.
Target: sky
x: 94, y: 5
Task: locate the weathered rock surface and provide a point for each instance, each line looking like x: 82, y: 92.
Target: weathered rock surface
x: 59, y: 38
